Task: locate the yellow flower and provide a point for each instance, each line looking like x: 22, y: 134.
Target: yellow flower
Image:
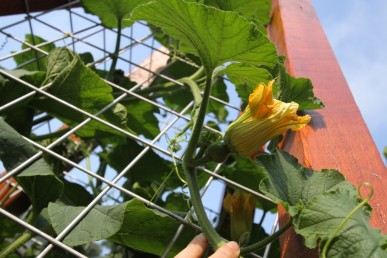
x: 262, y: 120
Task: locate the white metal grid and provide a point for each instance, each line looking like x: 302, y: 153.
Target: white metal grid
x: 140, y: 55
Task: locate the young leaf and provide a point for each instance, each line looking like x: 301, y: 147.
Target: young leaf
x: 324, y: 213
x: 100, y: 223
x: 299, y: 90
x: 293, y: 185
x: 34, y: 60
x: 112, y: 11
x: 37, y: 180
x: 214, y: 35
x: 78, y: 85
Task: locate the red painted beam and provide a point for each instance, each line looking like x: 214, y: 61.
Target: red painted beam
x: 337, y: 136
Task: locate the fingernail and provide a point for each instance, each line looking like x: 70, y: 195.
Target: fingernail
x: 233, y: 246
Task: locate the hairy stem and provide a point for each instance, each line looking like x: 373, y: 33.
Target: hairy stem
x: 190, y: 172
x: 116, y: 51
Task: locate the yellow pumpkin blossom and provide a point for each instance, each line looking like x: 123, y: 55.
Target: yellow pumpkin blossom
x: 262, y: 120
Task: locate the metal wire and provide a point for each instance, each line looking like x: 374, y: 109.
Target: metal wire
x: 82, y: 38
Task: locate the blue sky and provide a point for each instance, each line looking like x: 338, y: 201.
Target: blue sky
x: 357, y: 32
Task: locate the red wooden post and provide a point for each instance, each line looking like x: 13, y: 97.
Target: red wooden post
x: 337, y: 137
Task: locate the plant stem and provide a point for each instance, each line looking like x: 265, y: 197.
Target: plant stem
x: 190, y: 172
x: 264, y: 242
x: 16, y: 244
x: 116, y: 51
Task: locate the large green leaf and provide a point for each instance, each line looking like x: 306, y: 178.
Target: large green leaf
x: 130, y: 224
x: 245, y: 77
x: 34, y: 60
x: 37, y: 179
x: 150, y: 231
x: 324, y: 213
x: 78, y: 85
x: 112, y: 11
x: 214, y: 35
x: 100, y: 223
x: 251, y: 9
x: 293, y: 185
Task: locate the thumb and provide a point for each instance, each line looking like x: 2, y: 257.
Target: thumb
x: 228, y: 250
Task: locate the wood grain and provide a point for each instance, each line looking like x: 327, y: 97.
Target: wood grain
x: 337, y: 136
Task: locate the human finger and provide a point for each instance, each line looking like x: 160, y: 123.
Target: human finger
x: 195, y: 248
x: 228, y: 250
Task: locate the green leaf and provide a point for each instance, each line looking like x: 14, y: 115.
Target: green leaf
x: 214, y: 35
x: 385, y: 152
x: 34, y: 60
x: 100, y: 223
x: 299, y: 90
x: 112, y: 11
x: 143, y: 171
x: 141, y: 118
x: 293, y: 185
x: 130, y: 224
x: 254, y: 10
x: 150, y: 231
x: 37, y: 180
x: 246, y: 78
x: 324, y: 213
x: 19, y: 115
x: 78, y: 85
x: 75, y: 194
x: 11, y: 89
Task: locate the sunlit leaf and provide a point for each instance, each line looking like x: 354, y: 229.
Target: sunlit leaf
x: 37, y: 179
x: 34, y: 60
x: 293, y: 185
x: 324, y: 213
x: 214, y: 35
x: 112, y: 11
x: 100, y: 223
x: 254, y: 10
x: 245, y: 77
x: 78, y: 85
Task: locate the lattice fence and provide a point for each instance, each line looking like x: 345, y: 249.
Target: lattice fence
x: 142, y: 59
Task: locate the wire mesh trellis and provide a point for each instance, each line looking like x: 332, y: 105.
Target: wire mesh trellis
x: 143, y: 59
